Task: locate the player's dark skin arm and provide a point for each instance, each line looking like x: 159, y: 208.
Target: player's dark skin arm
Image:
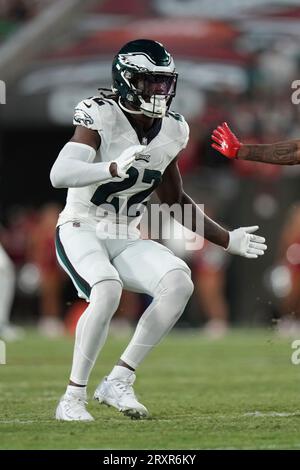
x: 280, y: 153
x: 170, y: 191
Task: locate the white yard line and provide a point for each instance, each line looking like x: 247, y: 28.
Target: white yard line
x: 271, y: 414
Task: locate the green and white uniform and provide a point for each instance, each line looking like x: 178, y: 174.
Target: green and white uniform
x: 92, y: 211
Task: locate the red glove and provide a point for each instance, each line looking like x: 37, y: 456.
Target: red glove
x: 226, y: 142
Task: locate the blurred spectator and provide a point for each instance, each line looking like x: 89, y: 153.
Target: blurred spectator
x: 42, y: 253
x: 14, y: 13
x: 17, y: 10
x: 21, y: 222
x: 8, y: 332
x: 209, y: 277
x: 277, y: 65
x: 22, y: 10
x: 14, y: 240
x: 289, y: 257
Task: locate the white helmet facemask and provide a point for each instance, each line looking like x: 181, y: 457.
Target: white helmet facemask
x: 152, y: 90
x: 157, y: 107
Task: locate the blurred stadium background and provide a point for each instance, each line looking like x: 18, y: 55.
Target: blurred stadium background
x: 236, y: 62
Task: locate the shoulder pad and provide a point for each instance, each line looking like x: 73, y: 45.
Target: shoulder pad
x: 101, y: 101
x: 182, y: 128
x: 88, y: 112
x: 176, y: 116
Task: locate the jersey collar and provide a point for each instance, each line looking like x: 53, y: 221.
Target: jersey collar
x: 144, y: 137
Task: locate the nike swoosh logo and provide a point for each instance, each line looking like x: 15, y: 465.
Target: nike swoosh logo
x: 87, y: 105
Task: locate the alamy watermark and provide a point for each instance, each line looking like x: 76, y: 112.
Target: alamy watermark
x: 157, y: 222
x: 295, y: 357
x: 2, y: 92
x: 296, y: 94
x: 2, y: 352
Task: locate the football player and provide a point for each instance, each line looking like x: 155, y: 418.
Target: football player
x: 125, y: 146
x: 8, y: 332
x: 279, y: 153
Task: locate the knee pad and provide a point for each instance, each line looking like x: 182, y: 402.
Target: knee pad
x: 176, y: 285
x: 106, y: 295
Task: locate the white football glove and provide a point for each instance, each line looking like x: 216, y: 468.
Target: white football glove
x: 125, y: 160
x: 243, y: 243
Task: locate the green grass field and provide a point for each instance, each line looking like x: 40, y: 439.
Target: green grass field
x: 241, y: 392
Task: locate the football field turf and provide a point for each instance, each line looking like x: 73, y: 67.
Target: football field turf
x: 241, y: 392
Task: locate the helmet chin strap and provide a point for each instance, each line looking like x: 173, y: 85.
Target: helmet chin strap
x: 131, y: 111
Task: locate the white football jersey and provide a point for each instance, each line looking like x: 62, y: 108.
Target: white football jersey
x: 123, y: 200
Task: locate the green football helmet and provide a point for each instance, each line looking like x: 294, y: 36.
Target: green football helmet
x: 144, y: 77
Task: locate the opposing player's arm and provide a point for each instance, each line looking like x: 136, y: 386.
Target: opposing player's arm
x: 239, y: 241
x: 279, y: 153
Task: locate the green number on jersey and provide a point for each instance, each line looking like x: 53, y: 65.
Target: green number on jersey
x: 103, y: 192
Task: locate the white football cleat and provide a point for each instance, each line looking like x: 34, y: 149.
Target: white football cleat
x: 119, y: 394
x: 72, y: 408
